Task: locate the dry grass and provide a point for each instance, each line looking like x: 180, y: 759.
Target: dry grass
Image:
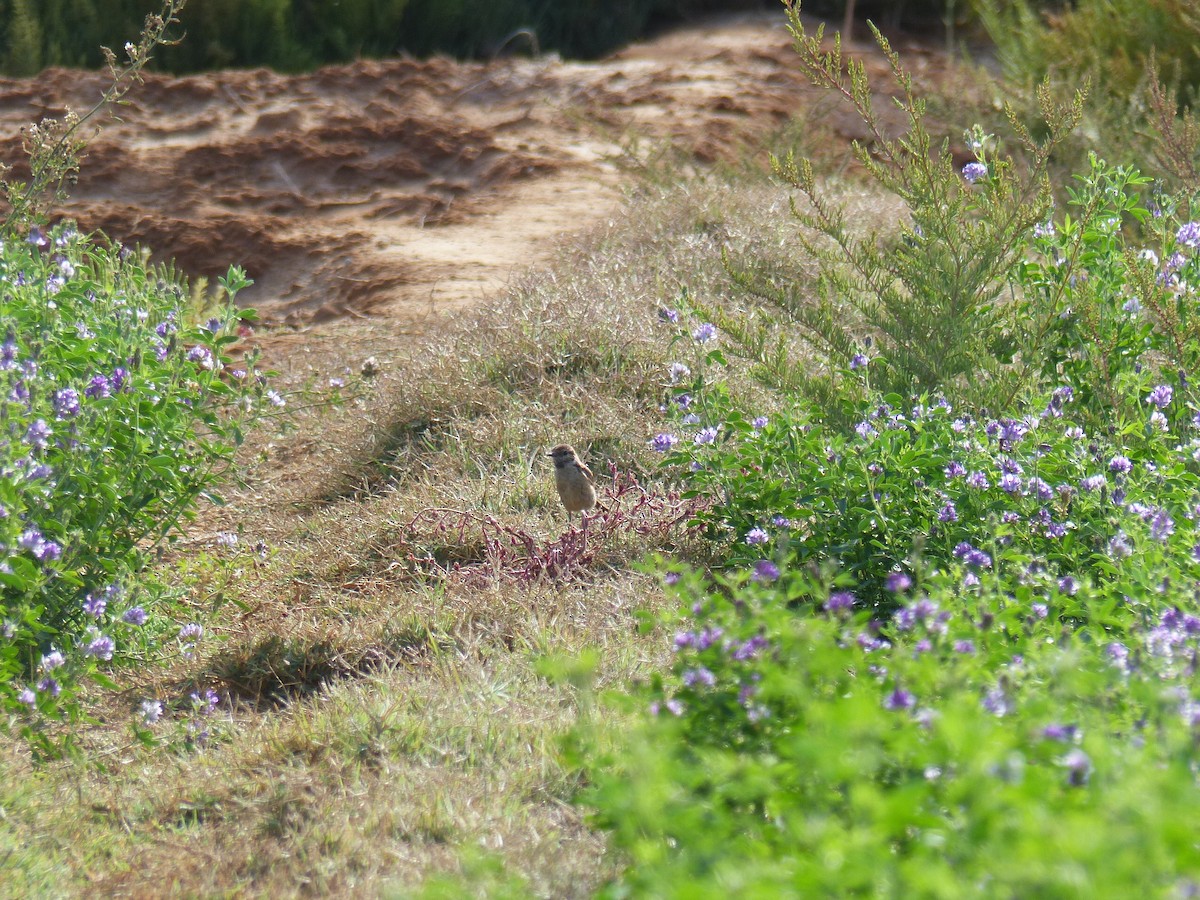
x: 388, y: 728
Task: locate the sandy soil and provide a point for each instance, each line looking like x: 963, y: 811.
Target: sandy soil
x: 402, y: 188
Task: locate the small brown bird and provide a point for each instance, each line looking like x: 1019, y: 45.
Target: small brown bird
x: 575, y: 482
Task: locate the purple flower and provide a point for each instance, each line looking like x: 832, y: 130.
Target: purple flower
x: 858, y: 361
x: 978, y: 481
x: 840, y: 601
x: 1078, y: 766
x: 781, y: 522
x: 66, y: 403
x: 98, y: 387
x: 757, y: 536
x: 1010, y: 484
x: 28, y: 698
x: 275, y: 398
x: 765, y: 571
x: 1189, y: 235
x: 678, y: 372
x: 52, y: 661
x: 201, y: 356
x: 134, y: 616
x: 1056, y: 732
x: 995, y: 702
x: 897, y: 582
x: 948, y: 513
x: 1120, y: 465
x: 759, y: 423
x: 1068, y: 586
x: 964, y: 646
x: 683, y: 401
x: 668, y: 315
x: 705, y: 333
x: 662, y: 443
x: 191, y: 632
x: 101, y: 647
x: 699, y: 677
x: 1162, y: 526
x: 706, y: 435
x: 8, y: 354
x: 974, y: 171
x: 32, y: 540
x: 95, y: 604
x: 1161, y: 396
x: 38, y: 435
x: 1093, y: 483
x: 899, y: 699
x: 1040, y: 610
x: 1119, y: 547
x: 955, y: 469
x: 151, y: 711
x: 119, y: 376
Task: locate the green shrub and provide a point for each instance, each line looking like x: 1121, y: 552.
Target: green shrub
x: 929, y: 300
x: 118, y: 415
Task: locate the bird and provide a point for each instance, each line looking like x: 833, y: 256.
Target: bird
x: 574, y: 480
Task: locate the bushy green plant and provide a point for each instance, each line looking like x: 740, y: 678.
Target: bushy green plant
x: 119, y: 414
x: 928, y: 299
x: 1106, y: 296
x: 941, y: 656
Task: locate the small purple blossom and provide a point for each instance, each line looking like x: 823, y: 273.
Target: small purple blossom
x: 898, y: 582
x: 699, y: 677
x: 765, y: 571
x: 995, y: 702
x: 955, y: 469
x: 1189, y: 235
x: 1079, y: 767
x: 704, y: 333
x: 899, y: 699
x: 1119, y: 546
x: 202, y: 356
x: 978, y: 481
x: 706, y: 436
x: 858, y: 361
x: 974, y: 171
x: 948, y: 512
x: 757, y: 536
x: 1010, y: 484
x: 27, y: 698
x: 151, y: 711
x: 1161, y: 396
x: 98, y: 387
x: 1162, y: 526
x: 38, y: 435
x: 52, y: 661
x: 101, y: 647
x: 1068, y: 585
x: 66, y: 403
x: 662, y: 443
x: 759, y: 423
x: 134, y: 616
x: 191, y: 632
x: 677, y: 372
x: 964, y: 646
x: 1093, y: 483
x: 840, y: 601
x: 668, y: 315
x: 95, y: 604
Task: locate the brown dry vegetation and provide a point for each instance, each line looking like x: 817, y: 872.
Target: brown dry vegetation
x: 391, y: 724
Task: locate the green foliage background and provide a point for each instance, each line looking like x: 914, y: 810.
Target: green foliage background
x: 293, y: 35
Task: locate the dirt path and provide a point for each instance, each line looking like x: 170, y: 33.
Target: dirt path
x: 400, y: 188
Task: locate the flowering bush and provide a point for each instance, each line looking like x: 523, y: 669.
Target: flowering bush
x: 118, y: 414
